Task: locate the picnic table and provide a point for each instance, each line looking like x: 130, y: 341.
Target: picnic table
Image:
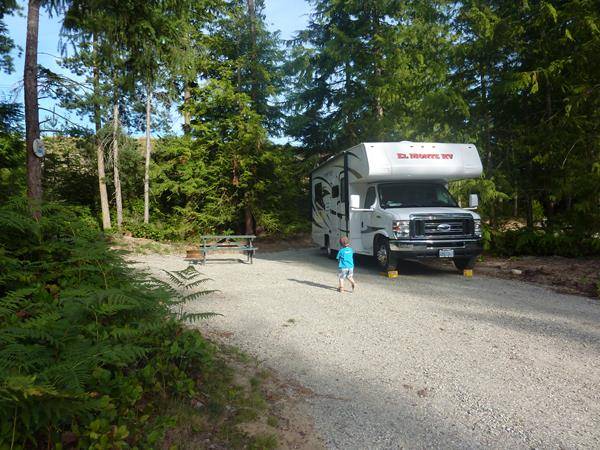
x: 217, y: 243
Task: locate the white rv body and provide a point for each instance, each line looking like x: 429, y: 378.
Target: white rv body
x: 372, y: 172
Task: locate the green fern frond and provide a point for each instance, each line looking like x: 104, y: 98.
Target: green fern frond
x: 33, y: 335
x: 194, y: 317
x: 197, y: 283
x: 155, y: 283
x: 17, y: 221
x: 15, y: 300
x: 189, y: 273
x: 123, y: 355
x: 197, y: 295
x: 24, y: 357
x: 174, y: 278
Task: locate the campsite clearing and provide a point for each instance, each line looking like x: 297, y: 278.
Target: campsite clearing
x: 428, y: 359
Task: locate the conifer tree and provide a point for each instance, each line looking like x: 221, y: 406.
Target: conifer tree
x: 361, y: 70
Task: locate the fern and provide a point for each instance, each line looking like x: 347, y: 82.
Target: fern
x: 194, y: 317
x: 82, y: 334
x: 197, y: 295
x: 186, y: 279
x: 197, y: 283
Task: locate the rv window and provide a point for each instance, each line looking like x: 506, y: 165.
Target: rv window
x: 370, y: 198
x: 335, y: 191
x: 319, y: 195
x: 413, y: 195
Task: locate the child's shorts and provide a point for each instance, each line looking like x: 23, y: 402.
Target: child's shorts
x: 345, y: 273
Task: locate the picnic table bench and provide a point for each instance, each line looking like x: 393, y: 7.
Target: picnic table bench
x: 214, y: 243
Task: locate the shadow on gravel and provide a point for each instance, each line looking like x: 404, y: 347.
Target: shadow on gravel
x: 232, y: 260
x: 317, y: 258
x: 531, y: 326
x: 313, y: 284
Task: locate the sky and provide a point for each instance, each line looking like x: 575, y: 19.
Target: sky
x: 286, y: 16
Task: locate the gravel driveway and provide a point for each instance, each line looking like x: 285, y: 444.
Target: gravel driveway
x: 429, y: 359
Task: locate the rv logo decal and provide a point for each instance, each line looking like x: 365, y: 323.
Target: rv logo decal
x: 443, y: 227
x: 424, y: 155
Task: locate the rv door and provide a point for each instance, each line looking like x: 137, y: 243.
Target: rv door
x: 366, y: 220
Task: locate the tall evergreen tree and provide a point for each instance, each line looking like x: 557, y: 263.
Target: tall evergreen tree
x: 91, y: 52
x: 361, y: 69
x: 243, y: 68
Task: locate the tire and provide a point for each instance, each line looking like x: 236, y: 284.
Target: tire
x: 331, y: 253
x: 464, y: 263
x: 385, y: 259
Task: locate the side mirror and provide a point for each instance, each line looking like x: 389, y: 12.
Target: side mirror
x: 355, y: 201
x: 473, y: 201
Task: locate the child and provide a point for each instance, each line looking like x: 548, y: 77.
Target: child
x: 346, y: 264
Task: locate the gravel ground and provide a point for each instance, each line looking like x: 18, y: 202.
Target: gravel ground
x: 429, y: 359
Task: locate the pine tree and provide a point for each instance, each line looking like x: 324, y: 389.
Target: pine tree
x: 90, y: 52
x: 361, y: 70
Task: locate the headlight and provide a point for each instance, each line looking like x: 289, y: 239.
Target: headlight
x: 477, y: 227
x: 401, y: 228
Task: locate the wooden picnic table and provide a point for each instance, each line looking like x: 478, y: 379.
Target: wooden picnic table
x: 216, y: 243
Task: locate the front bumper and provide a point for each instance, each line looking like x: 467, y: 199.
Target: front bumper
x: 406, y: 248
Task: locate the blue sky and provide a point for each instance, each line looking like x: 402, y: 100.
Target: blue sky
x: 287, y: 16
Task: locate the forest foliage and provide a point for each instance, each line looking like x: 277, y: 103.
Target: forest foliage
x: 518, y: 80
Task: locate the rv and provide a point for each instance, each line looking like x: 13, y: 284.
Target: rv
x: 391, y: 200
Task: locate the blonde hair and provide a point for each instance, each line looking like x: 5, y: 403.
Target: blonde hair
x: 345, y: 241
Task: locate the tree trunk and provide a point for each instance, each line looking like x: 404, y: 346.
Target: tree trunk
x: 529, y: 212
x: 118, y: 198
x: 248, y: 220
x: 486, y: 120
x: 148, y: 151
x: 254, y: 88
x: 32, y: 121
x: 106, y: 225
x: 375, y: 23
x: 187, y: 94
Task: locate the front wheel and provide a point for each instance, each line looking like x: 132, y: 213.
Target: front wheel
x: 464, y: 263
x: 385, y: 258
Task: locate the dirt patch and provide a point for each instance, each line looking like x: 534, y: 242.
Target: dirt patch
x: 144, y: 246
x: 264, y: 244
x: 287, y: 416
x: 579, y: 276
x: 272, y: 244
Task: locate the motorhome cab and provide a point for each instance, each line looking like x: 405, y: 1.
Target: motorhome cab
x: 391, y: 199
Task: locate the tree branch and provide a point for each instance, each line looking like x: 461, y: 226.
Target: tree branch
x: 63, y: 117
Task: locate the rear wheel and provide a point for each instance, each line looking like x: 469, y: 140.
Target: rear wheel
x: 464, y: 263
x: 385, y: 258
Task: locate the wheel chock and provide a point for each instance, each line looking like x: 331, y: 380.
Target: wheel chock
x: 468, y: 273
x: 390, y: 274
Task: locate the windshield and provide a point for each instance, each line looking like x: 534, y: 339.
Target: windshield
x: 407, y: 195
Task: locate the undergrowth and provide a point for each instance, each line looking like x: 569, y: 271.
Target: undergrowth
x: 541, y: 243
x: 91, y: 351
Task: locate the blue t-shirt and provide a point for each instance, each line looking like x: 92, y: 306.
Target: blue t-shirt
x: 345, y: 258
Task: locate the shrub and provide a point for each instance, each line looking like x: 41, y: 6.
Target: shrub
x: 88, y: 347
x: 542, y: 243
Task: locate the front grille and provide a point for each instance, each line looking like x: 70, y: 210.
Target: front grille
x: 454, y: 244
x: 441, y: 227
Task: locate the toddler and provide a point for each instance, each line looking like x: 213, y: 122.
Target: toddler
x: 346, y: 264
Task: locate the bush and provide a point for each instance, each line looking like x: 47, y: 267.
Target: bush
x: 542, y: 243
x: 88, y: 348
x: 155, y: 231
